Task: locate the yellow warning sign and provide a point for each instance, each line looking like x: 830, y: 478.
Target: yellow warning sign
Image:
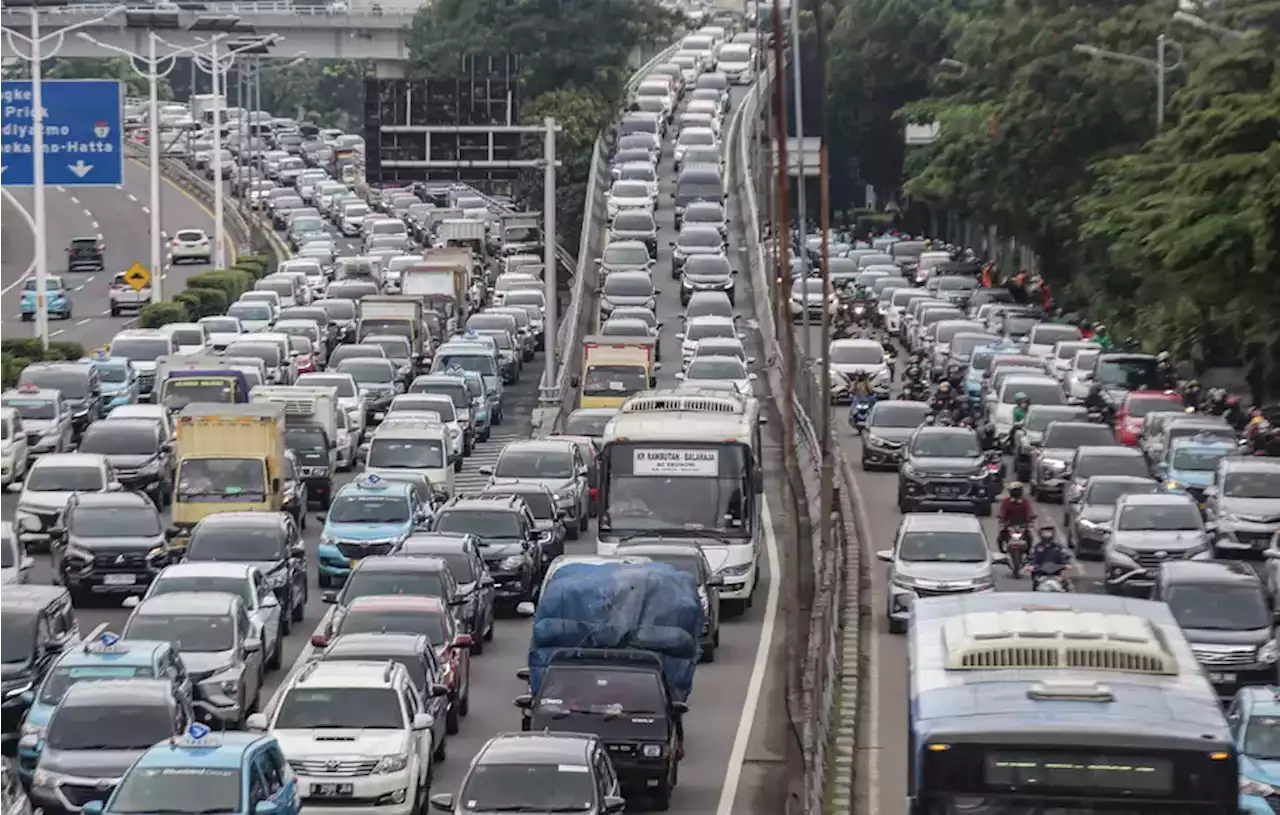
x: 137, y: 276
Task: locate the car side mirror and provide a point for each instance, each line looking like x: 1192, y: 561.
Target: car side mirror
x: 423, y: 721
x: 524, y: 701
x: 256, y: 722
x: 252, y: 645
x: 523, y: 674
x: 526, y: 609
x: 1210, y: 492
x: 680, y: 708
x: 614, y: 803
x: 441, y: 802
x: 885, y: 555
x: 330, y: 597
x: 114, y: 486
x: 93, y: 807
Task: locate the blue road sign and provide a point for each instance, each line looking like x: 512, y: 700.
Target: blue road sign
x: 83, y: 133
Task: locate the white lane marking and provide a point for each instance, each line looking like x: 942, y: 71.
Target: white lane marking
x: 31, y: 223
x: 89, y: 279
x: 106, y: 313
x: 147, y: 210
x: 56, y: 333
x: 87, y: 213
x: 733, y: 773
x: 62, y: 189
x: 95, y: 225
x: 74, y: 200
x: 133, y: 197
x: 78, y: 288
x: 82, y: 322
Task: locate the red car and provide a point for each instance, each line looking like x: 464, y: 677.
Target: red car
x: 1132, y: 414
x: 305, y: 362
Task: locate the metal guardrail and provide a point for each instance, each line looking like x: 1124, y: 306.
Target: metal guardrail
x: 824, y: 707
x: 361, y: 8
x: 576, y: 320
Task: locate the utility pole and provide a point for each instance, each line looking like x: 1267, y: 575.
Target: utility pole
x: 827, y: 472
x: 797, y: 83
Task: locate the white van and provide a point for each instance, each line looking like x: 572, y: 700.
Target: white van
x: 1044, y: 336
x: 413, y: 447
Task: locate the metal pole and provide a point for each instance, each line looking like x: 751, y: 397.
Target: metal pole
x: 153, y: 172
x: 257, y: 105
x: 800, y: 180
x: 219, y: 247
x: 550, y: 273
x: 827, y: 473
x: 1160, y: 69
x: 37, y: 144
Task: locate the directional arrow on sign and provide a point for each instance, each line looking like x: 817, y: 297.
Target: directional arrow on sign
x: 80, y: 168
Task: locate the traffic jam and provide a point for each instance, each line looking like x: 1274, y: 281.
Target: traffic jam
x: 373, y: 386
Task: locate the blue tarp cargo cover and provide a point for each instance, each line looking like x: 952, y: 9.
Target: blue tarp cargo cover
x: 648, y: 606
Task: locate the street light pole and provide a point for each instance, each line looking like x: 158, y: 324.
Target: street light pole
x: 1201, y: 23
x: 1160, y: 66
x: 35, y: 43
x: 797, y: 83
x: 153, y: 74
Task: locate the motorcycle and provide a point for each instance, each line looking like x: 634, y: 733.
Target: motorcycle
x: 1017, y: 546
x: 860, y: 409
x: 859, y: 313
x: 915, y: 391
x: 1051, y: 579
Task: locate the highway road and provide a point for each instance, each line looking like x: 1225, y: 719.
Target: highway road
x: 729, y: 765
x: 121, y: 216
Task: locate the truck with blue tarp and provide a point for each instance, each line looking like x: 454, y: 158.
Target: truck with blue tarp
x: 613, y: 652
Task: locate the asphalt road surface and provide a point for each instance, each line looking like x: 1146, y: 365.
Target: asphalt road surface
x: 727, y: 767
x: 121, y: 216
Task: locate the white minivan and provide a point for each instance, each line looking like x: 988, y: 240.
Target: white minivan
x: 408, y: 446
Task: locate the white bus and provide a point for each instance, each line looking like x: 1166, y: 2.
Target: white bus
x: 687, y: 464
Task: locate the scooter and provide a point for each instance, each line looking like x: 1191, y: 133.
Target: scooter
x: 1052, y: 579
x: 1017, y: 546
x: 860, y: 408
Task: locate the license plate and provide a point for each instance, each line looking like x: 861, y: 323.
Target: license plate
x: 331, y: 790
x: 1221, y: 677
x: 947, y: 492
x: 119, y: 579
x: 355, y: 562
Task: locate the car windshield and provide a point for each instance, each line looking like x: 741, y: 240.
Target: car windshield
x: 198, y: 633
x: 1054, y: 334
x: 381, y: 621
x: 626, y: 255
x: 703, y: 155
x: 710, y: 368
x: 1201, y: 459
x: 369, y: 509
x: 624, y: 328
x: 951, y: 547
x: 406, y: 582
x: 1139, y: 406
x: 638, y: 172
x: 344, y: 708
x: 188, y: 336
x: 857, y: 354
x: 406, y: 453
x: 60, y: 680
x: 517, y: 463
x: 346, y: 387
x: 1107, y: 493
x: 268, y: 352
x: 586, y: 424
x: 1067, y: 350
x: 1159, y: 518
x: 460, y: 563
x: 440, y: 404
x: 113, y: 522
x: 1133, y: 374
x: 481, y: 523
x: 34, y: 408
x: 1252, y: 485
x: 633, y: 221
x: 696, y: 135
x: 141, y: 349
x: 897, y: 416
x: 479, y: 363
x: 946, y: 445
x: 257, y: 312
x: 1074, y: 435
x: 605, y: 379
x: 1086, y: 360
x: 57, y: 478
x: 1038, y: 420
x: 338, y: 309
x: 193, y: 790
x: 1040, y: 393
x: 72, y: 385
x: 541, y: 504
x: 109, y: 726
x: 699, y: 236
x: 630, y: 189
x: 1216, y: 607
x: 702, y: 329
x: 221, y: 325
x: 628, y: 285
x: 502, y: 787
x: 708, y: 265
x: 305, y: 439
x: 17, y: 638
x: 240, y: 586
x: 1134, y: 465
x: 1262, y: 738
x: 236, y: 543
x: 368, y: 370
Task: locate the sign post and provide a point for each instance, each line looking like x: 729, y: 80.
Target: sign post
x: 137, y: 276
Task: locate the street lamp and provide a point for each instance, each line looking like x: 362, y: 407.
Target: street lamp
x: 216, y: 66
x: 153, y: 73
x: 1160, y: 65
x: 953, y: 64
x: 1204, y: 25
x: 35, y: 42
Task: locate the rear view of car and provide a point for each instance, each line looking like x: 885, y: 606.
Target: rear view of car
x: 191, y: 245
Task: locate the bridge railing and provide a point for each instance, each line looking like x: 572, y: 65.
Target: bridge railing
x: 358, y: 8
x: 578, y: 317
x: 823, y: 703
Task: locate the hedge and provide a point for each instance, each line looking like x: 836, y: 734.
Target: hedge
x: 256, y: 265
x: 16, y: 354
x: 206, y: 302
x: 154, y: 315
x: 233, y: 282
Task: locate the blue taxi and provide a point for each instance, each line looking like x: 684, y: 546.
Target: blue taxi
x: 979, y: 362
x: 118, y: 378
x: 102, y: 656
x: 57, y: 300
x: 1254, y: 718
x: 1190, y: 462
x: 369, y: 516
x: 232, y: 773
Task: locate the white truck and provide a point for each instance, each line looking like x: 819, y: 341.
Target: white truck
x: 311, y: 428
x: 203, y: 105
x: 394, y: 314
x: 461, y: 232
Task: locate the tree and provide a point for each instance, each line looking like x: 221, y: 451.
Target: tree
x: 327, y: 92
x: 94, y: 68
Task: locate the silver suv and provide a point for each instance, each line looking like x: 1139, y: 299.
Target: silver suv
x: 936, y: 554
x: 1148, y: 530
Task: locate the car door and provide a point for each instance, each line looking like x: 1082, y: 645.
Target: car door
x: 580, y: 480
x: 413, y: 705
x: 266, y: 613
x: 484, y: 589
x: 296, y: 554
x: 253, y: 663
x: 172, y: 669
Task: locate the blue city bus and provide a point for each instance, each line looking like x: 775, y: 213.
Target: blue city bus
x: 1075, y: 703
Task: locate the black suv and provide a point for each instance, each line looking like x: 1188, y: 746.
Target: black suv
x: 108, y: 543
x: 508, y: 536
x: 945, y: 468
x: 581, y: 692
x: 269, y: 541
x: 475, y: 584
x: 398, y: 576
x: 36, y: 624
x: 1223, y: 610
x: 86, y: 255
x: 138, y: 453
x: 547, y: 517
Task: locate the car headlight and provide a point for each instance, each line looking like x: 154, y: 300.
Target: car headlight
x: 1094, y: 526
x: 1268, y: 652
x: 77, y: 553
x: 1248, y: 786
x: 325, y: 540
x: 512, y: 562
x: 391, y: 764
x: 32, y: 730
x: 44, y: 778
x: 876, y: 441
x: 909, y: 470
x: 736, y: 571
x: 904, y: 582
x: 229, y: 687
x: 652, y: 751
x: 565, y: 494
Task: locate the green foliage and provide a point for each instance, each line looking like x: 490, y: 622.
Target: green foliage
x: 329, y: 93
x: 255, y: 265
x: 234, y: 282
x: 154, y: 315
x: 202, y: 302
x: 93, y: 68
x: 17, y: 354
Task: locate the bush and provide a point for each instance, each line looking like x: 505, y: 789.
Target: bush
x: 154, y: 315
x: 233, y: 282
x: 30, y: 348
x: 203, y: 302
x: 256, y: 265
x: 11, y: 366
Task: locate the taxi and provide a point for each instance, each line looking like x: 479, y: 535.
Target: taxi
x: 234, y: 773
x: 369, y: 516
x: 1254, y: 716
x: 103, y: 656
x: 118, y: 379
x: 978, y: 363
x: 1190, y: 463
x: 57, y: 299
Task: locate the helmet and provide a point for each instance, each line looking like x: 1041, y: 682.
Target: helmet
x: 1233, y: 401
x: 1015, y: 489
x: 945, y: 387
x: 1021, y: 397
x: 1163, y: 356
x: 1046, y: 532
x: 1100, y: 329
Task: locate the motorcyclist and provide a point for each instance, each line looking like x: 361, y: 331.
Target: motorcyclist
x: 860, y: 385
x: 862, y: 293
x: 1192, y: 394
x: 1102, y: 338
x: 1165, y: 372
x: 944, y: 399
x: 1021, y: 404
x: 1049, y: 557
x: 1015, y: 511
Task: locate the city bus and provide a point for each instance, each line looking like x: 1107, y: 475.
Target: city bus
x: 1083, y: 703
x: 686, y: 463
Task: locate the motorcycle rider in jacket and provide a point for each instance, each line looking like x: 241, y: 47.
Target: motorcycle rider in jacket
x: 1015, y: 511
x: 1049, y: 557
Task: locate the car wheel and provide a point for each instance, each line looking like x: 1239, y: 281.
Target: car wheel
x: 277, y: 656
x: 440, y: 753
x: 571, y: 532
x: 488, y: 632
x: 897, y: 626
x: 115, y: 310
x: 457, y: 465
x: 477, y: 645
x: 464, y: 704
x: 286, y: 620
x: 302, y: 519
x: 452, y: 721
x: 584, y: 522
x: 299, y: 610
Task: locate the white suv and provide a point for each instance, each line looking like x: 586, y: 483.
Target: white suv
x: 354, y: 733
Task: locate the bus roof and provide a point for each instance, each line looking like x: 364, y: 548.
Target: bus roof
x: 686, y: 415
x: 1083, y: 668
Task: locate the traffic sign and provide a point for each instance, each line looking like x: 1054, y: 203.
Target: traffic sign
x: 137, y: 276
x: 83, y: 133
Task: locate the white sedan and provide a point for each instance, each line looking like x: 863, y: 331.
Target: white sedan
x: 718, y: 372
x: 630, y: 195
x: 191, y: 244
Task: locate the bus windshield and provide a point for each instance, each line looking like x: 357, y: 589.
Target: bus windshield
x: 678, y: 486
